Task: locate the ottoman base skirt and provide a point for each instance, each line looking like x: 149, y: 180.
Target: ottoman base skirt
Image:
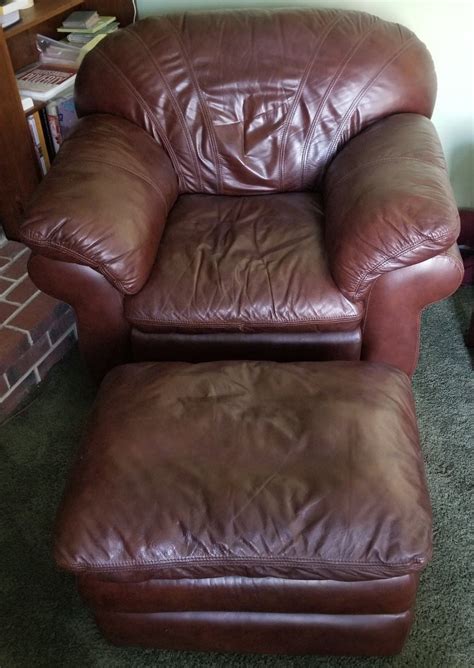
x: 255, y: 615
x: 250, y: 507
x: 259, y: 632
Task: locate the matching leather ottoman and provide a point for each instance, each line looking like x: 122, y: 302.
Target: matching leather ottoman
x: 250, y: 506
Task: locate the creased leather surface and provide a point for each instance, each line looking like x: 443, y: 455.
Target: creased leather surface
x: 256, y: 100
x: 104, y: 202
x: 369, y: 597
x: 248, y: 264
x: 257, y: 469
x: 388, y: 202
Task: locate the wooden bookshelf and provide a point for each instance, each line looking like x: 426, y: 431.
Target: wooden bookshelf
x: 19, y: 172
x: 39, y: 13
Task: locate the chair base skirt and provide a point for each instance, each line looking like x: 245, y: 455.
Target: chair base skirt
x: 280, y: 347
x: 259, y: 633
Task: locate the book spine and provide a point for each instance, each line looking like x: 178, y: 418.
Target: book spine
x: 53, y: 120
x: 36, y: 144
x: 47, y: 133
x: 67, y: 115
x: 44, y: 149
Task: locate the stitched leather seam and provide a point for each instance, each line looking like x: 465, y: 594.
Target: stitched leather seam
x: 380, y: 264
x: 355, y: 102
x: 203, y: 104
x: 299, y: 91
x: 379, y: 161
x: 154, y: 121
x: 176, y: 107
x: 278, y: 323
x: 268, y: 561
x: 151, y: 183
x: 101, y: 268
x: 335, y: 78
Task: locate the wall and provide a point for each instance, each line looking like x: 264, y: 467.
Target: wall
x: 446, y: 27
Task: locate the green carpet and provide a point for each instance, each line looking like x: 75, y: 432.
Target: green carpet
x: 43, y: 622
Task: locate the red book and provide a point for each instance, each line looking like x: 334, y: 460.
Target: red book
x: 43, y: 82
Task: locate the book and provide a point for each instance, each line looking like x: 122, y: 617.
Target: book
x: 43, y: 81
x: 83, y: 38
x: 10, y: 7
x: 43, y: 114
x: 67, y: 115
x: 101, y: 23
x: 14, y: 6
x: 54, y: 127
x: 81, y: 19
x: 8, y: 20
x: 37, y: 143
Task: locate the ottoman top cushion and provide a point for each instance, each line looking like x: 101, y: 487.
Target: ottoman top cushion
x: 302, y: 471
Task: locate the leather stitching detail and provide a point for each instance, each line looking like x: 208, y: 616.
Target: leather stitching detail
x: 154, y: 121
x: 297, y: 97
x: 335, y: 78
x: 100, y: 267
x: 177, y: 108
x: 219, y: 561
x: 332, y: 146
x: 237, y: 323
x: 385, y: 260
x: 203, y: 104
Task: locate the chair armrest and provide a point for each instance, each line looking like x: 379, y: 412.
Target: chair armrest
x: 388, y: 202
x: 104, y: 202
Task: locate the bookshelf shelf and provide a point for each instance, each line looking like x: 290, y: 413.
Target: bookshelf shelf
x: 19, y: 173
x: 42, y: 11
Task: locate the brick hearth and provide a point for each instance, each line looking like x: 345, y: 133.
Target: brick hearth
x: 35, y: 330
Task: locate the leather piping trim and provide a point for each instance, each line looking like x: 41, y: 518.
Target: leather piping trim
x: 397, y: 566
x: 154, y: 121
x: 239, y: 324
x: 175, y: 105
x: 202, y: 102
x: 332, y: 146
x: 151, y: 183
x: 101, y: 268
x: 359, y: 286
x: 335, y: 78
x: 299, y: 92
x: 380, y: 161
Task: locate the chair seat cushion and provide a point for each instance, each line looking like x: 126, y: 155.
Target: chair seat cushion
x: 253, y: 469
x: 231, y: 264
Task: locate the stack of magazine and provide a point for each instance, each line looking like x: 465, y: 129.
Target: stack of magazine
x: 10, y: 11
x: 83, y: 27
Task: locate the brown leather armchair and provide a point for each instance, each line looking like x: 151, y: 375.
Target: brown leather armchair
x: 250, y: 184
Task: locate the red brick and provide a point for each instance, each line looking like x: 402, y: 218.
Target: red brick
x: 11, y: 249
x: 8, y: 405
x: 28, y: 360
x: 56, y: 354
x: 61, y: 326
x: 3, y: 261
x: 4, y: 284
x: 6, y: 310
x: 12, y: 345
x: 3, y: 386
x: 17, y: 269
x: 38, y: 316
x: 23, y: 291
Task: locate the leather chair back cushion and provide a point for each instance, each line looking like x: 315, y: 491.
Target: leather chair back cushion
x: 256, y: 101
